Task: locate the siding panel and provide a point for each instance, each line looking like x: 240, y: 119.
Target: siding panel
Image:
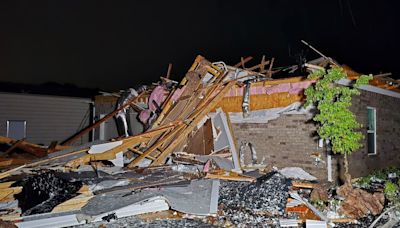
x: 48, y: 117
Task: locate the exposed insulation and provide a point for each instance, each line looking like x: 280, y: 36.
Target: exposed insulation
x: 260, y: 101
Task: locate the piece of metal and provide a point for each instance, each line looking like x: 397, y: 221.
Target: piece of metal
x: 246, y: 100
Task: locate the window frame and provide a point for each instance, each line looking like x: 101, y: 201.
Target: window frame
x: 8, y: 125
x: 371, y: 131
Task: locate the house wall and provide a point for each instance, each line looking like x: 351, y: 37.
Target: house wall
x: 48, y: 118
x: 284, y: 142
x: 288, y: 141
x: 388, y: 133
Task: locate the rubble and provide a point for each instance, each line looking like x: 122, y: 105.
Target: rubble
x: 358, y: 203
x: 249, y: 204
x: 185, y: 162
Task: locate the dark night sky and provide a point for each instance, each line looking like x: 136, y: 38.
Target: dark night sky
x: 117, y: 44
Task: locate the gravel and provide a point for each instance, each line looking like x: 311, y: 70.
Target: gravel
x: 254, y: 204
x: 135, y: 222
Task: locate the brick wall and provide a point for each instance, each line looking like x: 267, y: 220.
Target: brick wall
x: 288, y: 140
x: 284, y: 142
x: 388, y: 133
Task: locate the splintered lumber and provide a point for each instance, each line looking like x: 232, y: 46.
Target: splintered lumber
x: 75, y: 203
x: 229, y: 175
x: 140, y: 153
x: 8, y: 172
x: 15, y: 145
x: 7, y: 194
x: 6, y: 184
x: 168, y: 103
x: 243, y: 61
x: 199, y: 117
x: 261, y: 66
x: 102, y: 120
x: 300, y: 184
x: 127, y: 143
x: 6, y: 162
x: 154, y: 147
x: 343, y: 220
x: 31, y: 148
x: 169, y: 70
x: 30, y: 165
x: 170, y: 215
x: 52, y: 147
x: 193, y: 83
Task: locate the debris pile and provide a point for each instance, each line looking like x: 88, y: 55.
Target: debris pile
x: 184, y: 169
x: 254, y: 203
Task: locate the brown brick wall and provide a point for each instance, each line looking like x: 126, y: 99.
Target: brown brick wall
x: 284, y: 142
x: 388, y: 133
x: 288, y: 141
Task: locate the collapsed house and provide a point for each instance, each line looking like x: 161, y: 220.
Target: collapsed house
x: 178, y: 144
x: 282, y: 132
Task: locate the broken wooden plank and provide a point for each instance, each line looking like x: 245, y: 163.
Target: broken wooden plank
x: 6, y: 184
x: 169, y: 70
x: 229, y: 175
x: 140, y: 153
x: 300, y: 184
x: 127, y: 143
x: 52, y: 147
x: 242, y: 61
x: 154, y: 147
x: 33, y: 164
x: 161, y: 158
x: 73, y: 204
x: 31, y: 148
x: 6, y: 162
x: 11, y: 149
x: 102, y: 120
x: 8, y: 172
x: 261, y: 66
x: 7, y: 194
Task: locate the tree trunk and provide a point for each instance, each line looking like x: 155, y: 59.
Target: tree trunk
x: 346, y: 164
x: 347, y: 176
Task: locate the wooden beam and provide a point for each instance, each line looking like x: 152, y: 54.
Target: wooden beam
x: 243, y: 61
x: 15, y: 145
x: 8, y: 172
x: 55, y: 158
x: 52, y: 147
x: 299, y: 184
x: 140, y: 153
x: 169, y: 70
x: 154, y: 147
x: 26, y: 146
x: 7, y: 194
x: 102, y: 120
x: 229, y: 175
x: 270, y: 68
x: 261, y: 66
x: 127, y: 143
x: 199, y: 117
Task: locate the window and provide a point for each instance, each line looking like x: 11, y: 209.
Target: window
x: 16, y: 129
x: 371, y: 130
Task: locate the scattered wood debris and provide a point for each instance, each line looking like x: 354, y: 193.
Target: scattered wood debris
x: 185, y: 164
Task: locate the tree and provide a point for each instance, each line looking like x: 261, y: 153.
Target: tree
x: 336, y: 122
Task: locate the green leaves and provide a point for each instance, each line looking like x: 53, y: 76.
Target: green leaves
x: 336, y: 122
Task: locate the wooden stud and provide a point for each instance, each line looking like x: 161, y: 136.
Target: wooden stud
x: 102, y: 120
x: 161, y: 158
x: 242, y: 61
x: 154, y: 147
x: 127, y: 143
x: 169, y: 70
x: 15, y: 145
